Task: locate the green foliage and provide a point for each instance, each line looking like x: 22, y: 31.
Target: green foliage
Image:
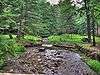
x: 8, y: 48
x: 57, y: 19
x: 18, y: 48
x: 69, y: 38
x: 79, y: 24
x: 98, y: 40
x: 31, y: 38
x: 12, y: 48
x: 5, y: 50
x: 95, y: 65
x: 66, y: 38
x: 6, y: 36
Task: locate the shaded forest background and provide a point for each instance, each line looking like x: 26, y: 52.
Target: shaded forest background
x: 40, y: 18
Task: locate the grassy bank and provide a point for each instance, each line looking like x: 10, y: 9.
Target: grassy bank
x: 94, y: 64
x: 13, y: 47
x: 66, y: 38
x: 69, y: 38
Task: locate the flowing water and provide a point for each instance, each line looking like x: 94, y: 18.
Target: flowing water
x: 48, y: 60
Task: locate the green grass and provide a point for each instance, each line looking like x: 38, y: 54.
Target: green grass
x: 69, y: 38
x: 11, y: 47
x: 31, y: 38
x: 94, y: 64
x: 7, y: 36
x: 18, y: 47
x: 66, y: 38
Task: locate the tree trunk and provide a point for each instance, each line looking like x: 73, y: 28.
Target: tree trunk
x: 88, y: 20
x: 97, y: 29
x: 93, y: 32
x: 93, y: 26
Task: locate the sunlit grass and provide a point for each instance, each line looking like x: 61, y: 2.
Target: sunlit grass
x: 18, y: 45
x: 26, y: 37
x: 7, y: 36
x: 69, y: 38
x: 94, y: 64
x: 30, y: 37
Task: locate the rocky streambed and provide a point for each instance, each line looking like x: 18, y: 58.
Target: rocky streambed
x: 48, y: 61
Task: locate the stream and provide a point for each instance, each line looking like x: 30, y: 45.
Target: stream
x: 48, y: 60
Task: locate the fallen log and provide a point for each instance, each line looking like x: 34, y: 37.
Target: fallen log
x: 65, y: 46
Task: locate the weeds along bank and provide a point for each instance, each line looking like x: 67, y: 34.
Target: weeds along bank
x: 10, y: 48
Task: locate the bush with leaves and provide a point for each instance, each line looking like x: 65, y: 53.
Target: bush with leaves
x: 9, y: 48
x: 95, y: 65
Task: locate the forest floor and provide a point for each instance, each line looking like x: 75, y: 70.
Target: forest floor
x: 49, y: 60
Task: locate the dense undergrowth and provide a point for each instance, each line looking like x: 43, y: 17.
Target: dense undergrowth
x: 94, y: 64
x: 66, y: 38
x: 13, y: 47
x: 69, y: 38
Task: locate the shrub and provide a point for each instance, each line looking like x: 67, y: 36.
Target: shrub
x: 94, y: 64
x: 9, y: 48
x: 18, y: 48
